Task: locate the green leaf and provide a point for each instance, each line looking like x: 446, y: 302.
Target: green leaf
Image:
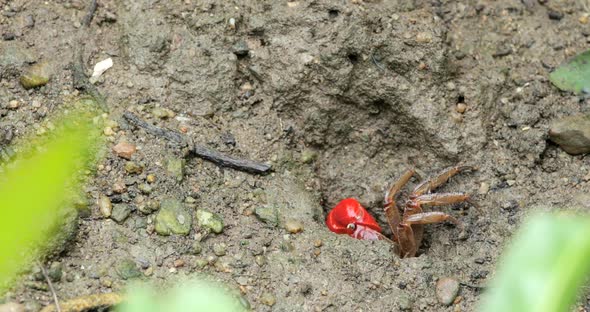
x: 39, y: 183
x: 574, y: 75
x: 544, y: 268
x: 188, y: 296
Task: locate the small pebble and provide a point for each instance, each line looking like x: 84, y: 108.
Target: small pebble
x: 461, y: 108
x: 14, y: 104
x: 209, y: 220
x: 317, y: 252
x: 119, y: 187
x: 268, y: 299
x: 197, y: 248
x: 484, y: 188
x: 260, y: 260
x: 178, y: 263
x: 105, y: 206
x: 124, y: 150
x: 145, y: 188
x: 293, y: 226
x: 423, y: 37
x: 120, y: 212
x: 201, y: 263
x: 308, y: 156
x: 108, y: 131
x: 317, y: 243
x: 133, y: 168
x: 446, y: 290
x: 150, y: 178
x: 219, y: 249
x: 583, y: 19
x: 35, y: 76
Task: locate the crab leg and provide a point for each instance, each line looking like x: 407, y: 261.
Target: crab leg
x: 391, y: 210
x: 431, y: 217
x: 436, y: 181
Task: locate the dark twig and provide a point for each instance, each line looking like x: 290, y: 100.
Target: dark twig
x: 78, y: 68
x: 230, y: 162
x: 155, y: 130
x: 199, y: 150
x: 90, y: 14
x: 50, y: 284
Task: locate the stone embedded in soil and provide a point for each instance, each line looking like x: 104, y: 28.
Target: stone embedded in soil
x: 268, y: 299
x: 268, y: 215
x: 35, y: 76
x: 293, y: 226
x: 572, y: 133
x: 104, y: 205
x: 175, y: 168
x: 127, y: 269
x: 145, y: 188
x: 132, y: 167
x: 173, y: 218
x: 120, y: 212
x: 219, y: 249
x: 404, y: 303
x: 209, y: 220
x: 446, y: 290
x: 124, y: 150
x: 197, y: 248
x: 163, y: 113
x: 55, y: 271
x: 148, y: 207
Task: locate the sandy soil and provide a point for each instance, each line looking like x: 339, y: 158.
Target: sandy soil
x: 340, y: 97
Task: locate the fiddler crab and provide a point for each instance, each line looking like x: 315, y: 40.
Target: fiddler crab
x: 350, y: 217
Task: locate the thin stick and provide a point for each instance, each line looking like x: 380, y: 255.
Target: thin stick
x: 44, y: 272
x: 79, y: 79
x: 200, y: 151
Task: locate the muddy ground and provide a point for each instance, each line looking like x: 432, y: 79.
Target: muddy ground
x: 340, y: 97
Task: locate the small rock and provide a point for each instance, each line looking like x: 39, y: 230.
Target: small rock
x: 201, y: 263
x: 423, y: 37
x: 119, y: 187
x: 163, y: 113
x: 173, y: 218
x: 127, y: 269
x: 260, y: 260
x: 55, y: 271
x: 268, y: 215
x: 555, y: 15
x: 150, y: 178
x: 14, y: 104
x: 108, y: 131
x: 178, y: 263
x: 268, y: 299
x: 241, y: 48
x: 209, y: 220
x: 149, y: 206
x: 175, y: 168
x: 133, y: 168
x: 197, y: 248
x: 461, y: 108
x: 104, y: 205
x: 446, y: 290
x: 484, y: 188
x: 317, y: 243
x: 124, y: 150
x: 120, y: 212
x: 308, y: 156
x: 145, y: 188
x: 293, y: 226
x: 35, y: 76
x: 12, y: 307
x: 572, y: 134
x: 219, y: 249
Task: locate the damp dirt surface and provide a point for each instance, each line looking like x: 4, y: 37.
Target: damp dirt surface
x: 340, y: 97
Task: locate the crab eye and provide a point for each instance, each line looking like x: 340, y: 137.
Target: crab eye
x: 351, y: 226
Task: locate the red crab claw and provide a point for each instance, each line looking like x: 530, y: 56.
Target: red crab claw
x: 349, y: 217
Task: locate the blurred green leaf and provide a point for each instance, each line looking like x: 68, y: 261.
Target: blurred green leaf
x: 188, y: 296
x: 574, y: 75
x: 39, y: 182
x: 544, y: 268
